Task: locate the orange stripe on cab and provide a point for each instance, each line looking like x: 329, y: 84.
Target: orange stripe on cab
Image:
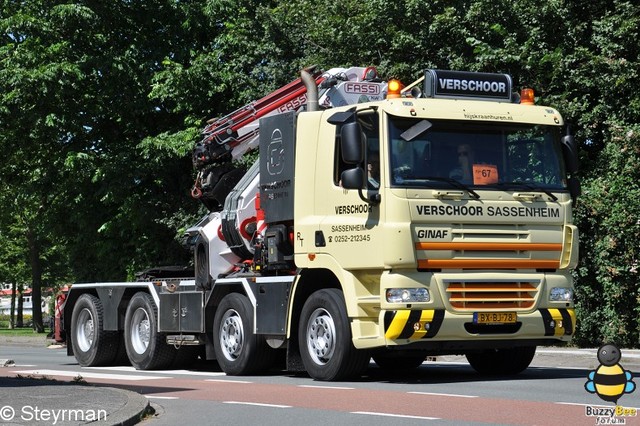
x: 490, y: 246
x: 488, y: 264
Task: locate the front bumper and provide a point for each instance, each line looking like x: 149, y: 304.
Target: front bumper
x: 408, y: 326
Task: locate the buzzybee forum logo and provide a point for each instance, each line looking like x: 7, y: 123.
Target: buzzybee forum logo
x: 610, y: 381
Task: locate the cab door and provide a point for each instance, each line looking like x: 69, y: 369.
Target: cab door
x: 351, y: 218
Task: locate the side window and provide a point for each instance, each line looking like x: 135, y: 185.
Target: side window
x: 370, y: 128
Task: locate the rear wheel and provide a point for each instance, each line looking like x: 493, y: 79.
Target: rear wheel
x: 325, y: 338
x: 92, y: 346
x: 507, y: 361
x: 146, y: 348
x: 238, y: 350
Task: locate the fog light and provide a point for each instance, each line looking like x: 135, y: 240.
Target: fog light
x: 407, y: 295
x: 561, y: 294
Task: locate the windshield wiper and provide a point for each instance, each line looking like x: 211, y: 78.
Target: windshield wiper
x: 454, y: 183
x: 529, y: 187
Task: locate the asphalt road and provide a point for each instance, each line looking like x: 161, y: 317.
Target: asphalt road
x: 444, y: 390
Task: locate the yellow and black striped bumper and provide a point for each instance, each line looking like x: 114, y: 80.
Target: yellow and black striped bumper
x: 558, y: 322
x: 406, y: 324
x: 426, y: 324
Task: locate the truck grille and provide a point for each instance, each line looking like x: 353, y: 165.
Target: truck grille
x: 489, y: 296
x: 500, y: 248
x: 490, y: 256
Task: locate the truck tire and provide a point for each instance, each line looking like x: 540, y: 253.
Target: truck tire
x: 146, y: 348
x: 324, y: 336
x: 507, y: 361
x: 238, y: 350
x: 92, y: 346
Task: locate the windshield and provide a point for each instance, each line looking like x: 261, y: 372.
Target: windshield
x: 437, y: 153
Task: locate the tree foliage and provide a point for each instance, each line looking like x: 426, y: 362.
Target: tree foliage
x: 74, y: 110
x: 100, y: 104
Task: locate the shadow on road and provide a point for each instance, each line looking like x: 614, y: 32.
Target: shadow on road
x: 446, y: 373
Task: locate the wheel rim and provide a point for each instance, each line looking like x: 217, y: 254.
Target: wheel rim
x: 85, y: 330
x: 140, y: 330
x: 321, y: 333
x: 231, y: 335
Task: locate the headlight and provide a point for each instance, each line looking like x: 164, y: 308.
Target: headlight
x: 407, y: 295
x: 561, y: 294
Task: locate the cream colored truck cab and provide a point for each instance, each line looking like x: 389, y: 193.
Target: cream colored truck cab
x: 445, y: 221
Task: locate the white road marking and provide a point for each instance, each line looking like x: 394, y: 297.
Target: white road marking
x: 593, y: 405
x: 404, y: 416
x: 259, y: 404
x: 88, y: 374
x: 325, y: 387
x: 628, y: 353
x: 444, y: 394
x: 227, y: 381
x: 575, y: 403
x: 160, y: 397
x: 172, y: 372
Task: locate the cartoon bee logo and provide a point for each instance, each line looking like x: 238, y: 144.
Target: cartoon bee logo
x: 610, y: 381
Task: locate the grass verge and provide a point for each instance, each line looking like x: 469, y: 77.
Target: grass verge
x: 17, y: 332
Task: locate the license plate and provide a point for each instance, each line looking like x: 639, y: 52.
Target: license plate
x: 494, y: 317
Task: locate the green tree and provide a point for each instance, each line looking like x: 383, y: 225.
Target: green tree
x: 32, y: 84
x: 74, y: 110
x: 609, y: 300
x: 609, y: 214
x: 13, y: 269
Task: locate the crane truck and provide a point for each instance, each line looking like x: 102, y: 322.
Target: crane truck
x: 379, y: 222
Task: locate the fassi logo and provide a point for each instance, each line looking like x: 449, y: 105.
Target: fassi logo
x: 362, y: 88
x: 293, y: 104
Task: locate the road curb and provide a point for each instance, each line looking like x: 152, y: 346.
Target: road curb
x: 34, y: 399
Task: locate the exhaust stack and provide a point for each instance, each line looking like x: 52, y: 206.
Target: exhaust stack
x: 312, y: 89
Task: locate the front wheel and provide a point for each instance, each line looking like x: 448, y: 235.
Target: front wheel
x: 146, y: 348
x: 325, y: 338
x: 506, y: 361
x: 92, y: 346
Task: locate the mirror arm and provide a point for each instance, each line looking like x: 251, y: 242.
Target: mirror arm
x: 374, y: 199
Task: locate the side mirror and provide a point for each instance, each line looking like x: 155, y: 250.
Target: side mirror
x: 575, y: 189
x: 352, y: 143
x: 570, y: 153
x: 353, y: 178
